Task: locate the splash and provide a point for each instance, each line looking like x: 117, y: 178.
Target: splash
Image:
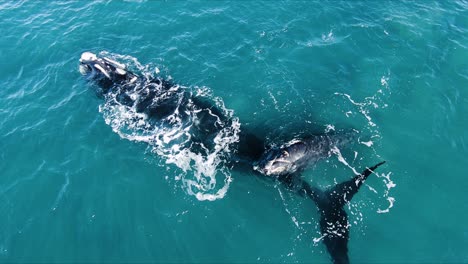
x: 362, y: 108
x: 390, y: 200
x: 179, y: 138
x: 341, y: 159
x: 389, y: 184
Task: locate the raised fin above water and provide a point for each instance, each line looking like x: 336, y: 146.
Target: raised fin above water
x: 334, y: 224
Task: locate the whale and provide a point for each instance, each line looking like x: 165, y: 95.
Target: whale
x: 157, y: 98
x: 154, y: 97
x: 288, y: 161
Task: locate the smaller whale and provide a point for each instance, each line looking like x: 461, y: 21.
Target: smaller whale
x: 297, y: 155
x: 285, y: 163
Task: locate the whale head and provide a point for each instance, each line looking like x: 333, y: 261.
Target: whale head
x: 274, y: 163
x: 103, y: 70
x: 283, y: 160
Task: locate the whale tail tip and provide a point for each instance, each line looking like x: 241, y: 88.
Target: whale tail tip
x: 333, y: 217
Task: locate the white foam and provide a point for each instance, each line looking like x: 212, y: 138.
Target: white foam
x: 361, y: 107
x: 328, y: 37
x: 329, y: 128
x: 391, y: 201
x: 318, y: 239
x: 384, y: 81
x: 337, y: 152
x: 293, y: 218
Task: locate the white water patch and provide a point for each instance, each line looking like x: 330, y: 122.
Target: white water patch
x: 384, y: 81
x: 293, y: 218
x: 275, y: 102
x: 329, y: 128
x: 316, y: 240
x: 389, y: 184
x: 364, y: 108
x: 367, y: 143
x: 369, y: 103
x: 390, y: 200
x: 337, y: 152
x: 325, y: 39
x: 361, y: 107
x: 202, y: 164
x: 328, y: 37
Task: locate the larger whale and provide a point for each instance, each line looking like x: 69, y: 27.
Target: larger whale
x: 162, y: 102
x: 157, y: 98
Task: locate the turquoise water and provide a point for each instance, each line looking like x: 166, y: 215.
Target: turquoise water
x: 73, y: 190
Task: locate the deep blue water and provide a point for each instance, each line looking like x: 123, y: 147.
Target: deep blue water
x: 74, y: 190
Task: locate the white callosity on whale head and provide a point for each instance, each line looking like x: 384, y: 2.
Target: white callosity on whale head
x: 277, y: 167
x: 88, y: 56
x: 120, y: 71
x: 119, y: 67
x: 116, y: 64
x: 286, y: 159
x: 90, y: 62
x: 85, y: 59
x: 276, y: 163
x: 99, y: 67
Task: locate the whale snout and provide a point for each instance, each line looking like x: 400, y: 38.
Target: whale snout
x: 277, y: 167
x: 87, y: 62
x: 88, y: 56
x: 274, y: 162
x: 103, y: 69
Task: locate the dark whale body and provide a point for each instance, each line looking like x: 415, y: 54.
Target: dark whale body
x: 158, y: 98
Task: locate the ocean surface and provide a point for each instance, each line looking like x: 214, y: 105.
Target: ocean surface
x: 75, y: 188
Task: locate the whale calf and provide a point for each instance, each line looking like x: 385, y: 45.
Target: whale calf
x: 285, y: 164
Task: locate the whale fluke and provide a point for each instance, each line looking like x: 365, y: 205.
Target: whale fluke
x: 333, y: 218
